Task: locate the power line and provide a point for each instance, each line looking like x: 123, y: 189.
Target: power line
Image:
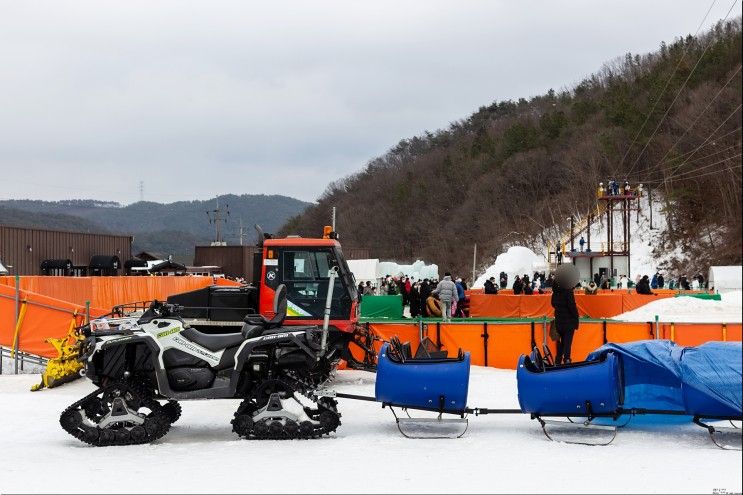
x: 709, y: 104
x: 678, y: 93
x: 662, y: 91
x: 685, y: 176
x: 660, y: 170
x: 709, y: 137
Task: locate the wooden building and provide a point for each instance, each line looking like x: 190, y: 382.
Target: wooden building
x: 23, y: 250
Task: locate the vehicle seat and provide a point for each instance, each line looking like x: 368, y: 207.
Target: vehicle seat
x: 213, y: 342
x: 255, y: 325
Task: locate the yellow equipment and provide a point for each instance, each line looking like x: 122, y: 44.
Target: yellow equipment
x: 65, y: 366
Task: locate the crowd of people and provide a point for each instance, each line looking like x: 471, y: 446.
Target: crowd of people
x: 419, y: 295
x: 614, y: 188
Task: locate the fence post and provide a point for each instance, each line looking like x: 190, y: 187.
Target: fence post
x: 17, y: 309
x: 485, y: 338
x: 657, y: 328
x: 87, y: 312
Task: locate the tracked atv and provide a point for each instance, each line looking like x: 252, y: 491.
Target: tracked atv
x: 144, y: 366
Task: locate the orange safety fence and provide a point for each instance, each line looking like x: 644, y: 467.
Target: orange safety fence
x: 506, y: 341
x: 605, y: 304
x: 40, y: 318
x: 106, y: 292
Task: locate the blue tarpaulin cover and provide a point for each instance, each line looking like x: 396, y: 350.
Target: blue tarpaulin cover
x: 658, y: 374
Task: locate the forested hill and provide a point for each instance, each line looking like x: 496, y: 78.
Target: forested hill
x: 172, y: 228
x: 516, y: 170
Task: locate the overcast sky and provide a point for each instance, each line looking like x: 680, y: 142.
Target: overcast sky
x: 205, y: 98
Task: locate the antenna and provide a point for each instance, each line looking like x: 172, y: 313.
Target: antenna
x: 141, y: 190
x: 216, y: 218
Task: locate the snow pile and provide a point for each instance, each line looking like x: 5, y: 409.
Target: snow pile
x: 687, y: 309
x: 518, y: 260
x: 418, y: 270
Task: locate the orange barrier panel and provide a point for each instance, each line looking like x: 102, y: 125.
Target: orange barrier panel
x: 733, y: 332
x: 43, y: 318
x: 535, y: 306
x: 106, y: 292
x: 494, y: 305
x: 633, y: 300
x: 690, y: 334
x: 628, y: 332
x: 466, y: 337
x: 507, y: 343
x: 588, y: 338
x: 603, y: 305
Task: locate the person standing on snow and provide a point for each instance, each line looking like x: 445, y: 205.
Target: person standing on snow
x: 459, y: 312
x: 582, y: 242
x: 661, y: 281
x: 415, y: 300
x: 503, y: 280
x: 654, y: 281
x: 447, y: 292
x: 566, y: 319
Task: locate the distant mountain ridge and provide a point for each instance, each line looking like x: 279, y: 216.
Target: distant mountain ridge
x: 172, y: 228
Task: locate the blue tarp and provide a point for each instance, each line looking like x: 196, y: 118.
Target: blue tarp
x: 659, y: 374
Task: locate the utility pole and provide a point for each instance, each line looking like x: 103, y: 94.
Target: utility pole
x: 215, y: 217
x: 241, y: 231
x: 474, y: 263
x: 650, y: 203
x: 141, y: 190
x: 333, y: 222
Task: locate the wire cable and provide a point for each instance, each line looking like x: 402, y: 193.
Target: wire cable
x: 678, y: 93
x: 709, y: 104
x: 662, y: 91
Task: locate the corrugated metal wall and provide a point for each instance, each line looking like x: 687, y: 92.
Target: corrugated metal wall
x: 25, y: 249
x: 236, y: 261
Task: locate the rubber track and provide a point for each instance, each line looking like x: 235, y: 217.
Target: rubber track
x: 265, y: 432
x: 156, y: 423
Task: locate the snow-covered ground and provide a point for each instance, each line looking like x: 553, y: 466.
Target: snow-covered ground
x: 366, y: 454
x: 687, y: 309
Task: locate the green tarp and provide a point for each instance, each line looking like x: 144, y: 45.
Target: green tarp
x: 381, y: 307
x: 714, y: 297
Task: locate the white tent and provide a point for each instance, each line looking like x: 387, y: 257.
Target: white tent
x: 364, y: 270
x: 725, y: 278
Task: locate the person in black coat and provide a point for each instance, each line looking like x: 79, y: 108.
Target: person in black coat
x: 517, y: 285
x: 503, y: 280
x: 415, y: 301
x: 643, y: 286
x: 566, y: 320
x: 490, y: 287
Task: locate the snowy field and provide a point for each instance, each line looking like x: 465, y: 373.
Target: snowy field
x: 687, y: 309
x: 366, y: 454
